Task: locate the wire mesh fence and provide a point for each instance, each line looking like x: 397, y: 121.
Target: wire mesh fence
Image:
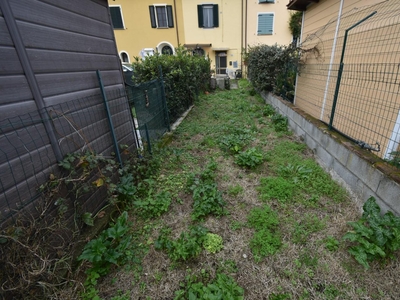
x: 147, y: 100
x: 27, y: 157
x: 351, y: 76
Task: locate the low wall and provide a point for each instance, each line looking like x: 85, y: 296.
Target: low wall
x: 362, y: 173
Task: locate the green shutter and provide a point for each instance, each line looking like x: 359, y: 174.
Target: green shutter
x: 170, y: 16
x: 215, y: 15
x: 200, y: 15
x: 152, y: 17
x: 116, y: 17
x: 265, y: 24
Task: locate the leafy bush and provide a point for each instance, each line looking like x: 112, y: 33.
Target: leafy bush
x: 187, y: 246
x: 266, y: 64
x: 375, y: 236
x: 250, y: 158
x: 223, y: 287
x: 185, y: 76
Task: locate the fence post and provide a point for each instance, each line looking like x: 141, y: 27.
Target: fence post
x: 164, y: 98
x: 103, y: 93
x: 335, y: 97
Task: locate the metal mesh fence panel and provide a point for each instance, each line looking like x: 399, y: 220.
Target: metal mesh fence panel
x: 149, y: 105
x: 367, y: 97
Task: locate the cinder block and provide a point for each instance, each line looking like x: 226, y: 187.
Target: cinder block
x: 389, y: 191
x: 363, y: 170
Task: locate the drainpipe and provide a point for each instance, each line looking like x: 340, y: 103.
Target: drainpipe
x: 332, y: 59
x: 298, y: 44
x: 176, y: 24
x: 245, y: 35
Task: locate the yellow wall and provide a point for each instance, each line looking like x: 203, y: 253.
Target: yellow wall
x: 225, y: 37
x: 138, y: 33
x: 281, y: 35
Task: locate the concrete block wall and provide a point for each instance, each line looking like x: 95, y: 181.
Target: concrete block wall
x: 359, y: 171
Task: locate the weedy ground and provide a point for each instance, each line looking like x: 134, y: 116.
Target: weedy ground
x: 280, y: 215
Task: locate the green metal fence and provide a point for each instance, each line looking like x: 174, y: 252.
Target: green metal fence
x: 148, y: 104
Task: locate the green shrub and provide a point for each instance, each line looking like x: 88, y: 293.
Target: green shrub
x: 267, y: 63
x: 185, y: 76
x: 375, y: 236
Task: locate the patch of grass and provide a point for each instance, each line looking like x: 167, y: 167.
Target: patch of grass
x: 276, y: 188
x: 266, y: 239
x: 235, y: 190
x: 308, y: 225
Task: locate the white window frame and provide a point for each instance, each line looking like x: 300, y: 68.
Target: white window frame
x: 126, y: 52
x: 273, y: 23
x: 122, y: 17
x: 156, y: 14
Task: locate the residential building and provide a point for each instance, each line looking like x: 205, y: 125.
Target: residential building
x: 267, y: 22
x: 143, y: 27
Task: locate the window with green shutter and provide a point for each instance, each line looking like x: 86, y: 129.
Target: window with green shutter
x: 161, y: 16
x: 116, y: 17
x: 208, y: 15
x: 265, y: 24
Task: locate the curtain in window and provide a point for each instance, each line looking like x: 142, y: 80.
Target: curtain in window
x: 161, y: 16
x: 208, y: 16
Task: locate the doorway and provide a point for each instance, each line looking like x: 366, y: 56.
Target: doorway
x: 220, y: 58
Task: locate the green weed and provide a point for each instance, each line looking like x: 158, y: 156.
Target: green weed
x: 308, y: 225
x: 266, y: 239
x: 280, y: 122
x: 250, y: 158
x: 223, y: 287
x: 213, y: 243
x: 374, y: 236
x: 187, y: 246
x: 331, y: 243
x: 235, y: 190
x: 276, y: 188
x: 153, y: 204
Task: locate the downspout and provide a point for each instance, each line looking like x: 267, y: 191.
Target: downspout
x: 332, y: 59
x: 176, y: 22
x: 245, y: 35
x: 298, y: 43
x: 241, y: 37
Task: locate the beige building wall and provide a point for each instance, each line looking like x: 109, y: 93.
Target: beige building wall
x: 366, y: 98
x: 217, y: 42
x: 281, y: 33
x: 138, y: 33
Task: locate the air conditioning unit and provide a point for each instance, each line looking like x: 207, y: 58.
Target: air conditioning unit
x: 146, y: 52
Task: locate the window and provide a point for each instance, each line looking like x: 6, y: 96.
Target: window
x: 124, y: 57
x: 167, y: 50
x: 116, y: 17
x: 265, y: 24
x: 266, y: 1
x: 161, y: 16
x: 208, y: 15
